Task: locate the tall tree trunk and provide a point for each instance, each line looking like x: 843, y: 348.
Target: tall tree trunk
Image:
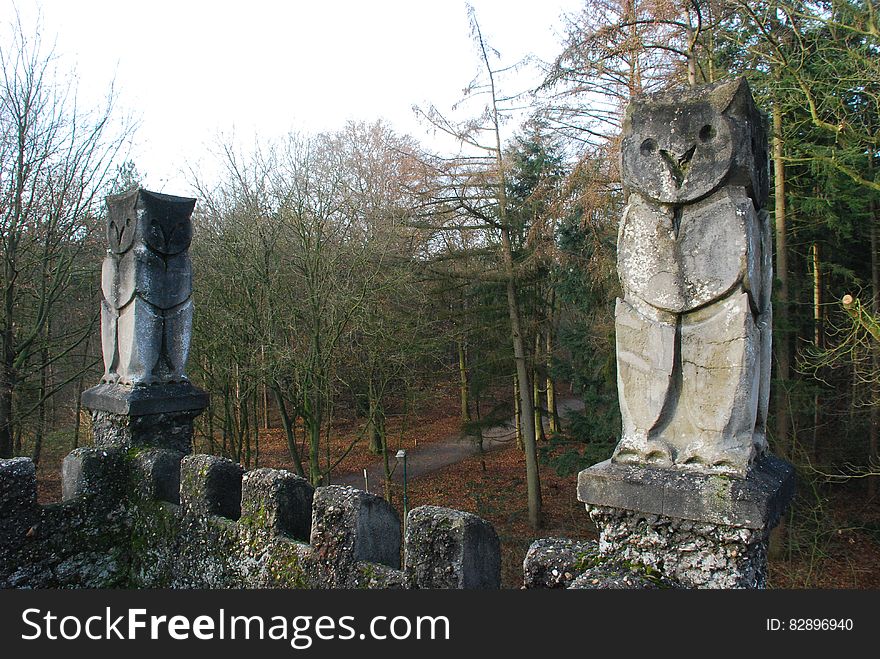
x: 77, y: 408
x: 691, y: 57
x: 313, y: 419
x: 635, y: 72
x: 779, y: 535
x: 818, y: 329
x: 539, y: 412
x: 289, y: 426
x: 552, y: 409
x: 374, y: 423
x: 6, y: 441
x: 517, y: 414
x: 817, y: 338
x: 7, y: 368
x: 209, y: 435
x: 533, y: 479
x: 464, y: 389
x: 313, y: 394
x: 479, y: 437
x: 386, y: 464
x: 314, y: 430
x: 236, y: 418
x: 227, y: 422
x: 264, y: 390
x: 40, y: 430
x: 244, y: 415
x: 256, y: 408
x: 537, y: 376
x: 874, y: 415
x: 327, y: 449
x: 781, y: 340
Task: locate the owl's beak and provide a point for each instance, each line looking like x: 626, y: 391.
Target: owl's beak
x: 685, y: 160
x: 678, y: 165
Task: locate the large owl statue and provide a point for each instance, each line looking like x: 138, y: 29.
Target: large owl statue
x: 694, y: 258
x: 146, y: 281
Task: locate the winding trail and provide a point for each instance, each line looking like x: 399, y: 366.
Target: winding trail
x: 436, y: 455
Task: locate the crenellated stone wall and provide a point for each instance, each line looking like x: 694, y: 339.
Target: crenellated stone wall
x: 155, y: 518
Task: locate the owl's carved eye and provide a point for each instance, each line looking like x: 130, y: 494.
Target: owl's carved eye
x: 707, y: 133
x: 648, y: 147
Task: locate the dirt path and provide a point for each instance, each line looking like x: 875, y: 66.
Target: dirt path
x: 431, y: 457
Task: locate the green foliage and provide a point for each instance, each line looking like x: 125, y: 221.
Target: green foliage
x: 586, y: 287
x: 567, y: 457
x: 586, y: 332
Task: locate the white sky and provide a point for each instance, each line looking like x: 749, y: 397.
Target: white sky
x: 193, y: 70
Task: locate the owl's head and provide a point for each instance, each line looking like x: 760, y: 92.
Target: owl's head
x: 159, y: 220
x: 681, y: 146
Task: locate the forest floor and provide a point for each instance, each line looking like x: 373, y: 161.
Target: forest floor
x: 443, y: 452
x: 832, y: 539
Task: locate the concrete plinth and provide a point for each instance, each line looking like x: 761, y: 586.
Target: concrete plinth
x: 704, y: 531
x: 159, y: 416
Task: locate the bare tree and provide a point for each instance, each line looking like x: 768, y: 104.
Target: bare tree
x: 616, y: 49
x: 471, y: 196
x: 295, y: 246
x: 54, y: 160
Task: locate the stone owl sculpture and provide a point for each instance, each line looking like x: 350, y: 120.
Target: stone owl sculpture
x: 146, y: 282
x: 693, y: 329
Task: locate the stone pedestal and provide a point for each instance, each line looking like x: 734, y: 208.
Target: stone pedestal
x: 157, y: 416
x: 704, y: 531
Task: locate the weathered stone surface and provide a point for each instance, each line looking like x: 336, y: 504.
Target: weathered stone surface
x: 680, y: 146
x: 693, y: 333
x: 714, y: 429
x: 172, y: 430
x: 557, y: 562
x: 756, y: 502
x: 115, y: 530
x: 616, y: 575
x: 375, y: 575
x: 18, y: 508
x: 145, y: 401
x: 89, y: 570
x: 278, y: 500
x: 92, y: 473
x: 159, y: 416
x: 694, y: 554
x: 645, y: 367
x: 680, y: 263
x: 156, y: 474
x: 350, y: 524
x: 18, y: 485
x: 146, y: 281
x: 211, y: 485
x: 72, y: 544
x: 451, y: 549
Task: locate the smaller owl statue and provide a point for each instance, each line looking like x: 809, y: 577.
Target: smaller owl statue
x: 694, y: 258
x: 146, y: 282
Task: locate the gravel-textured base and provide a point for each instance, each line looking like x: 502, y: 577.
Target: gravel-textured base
x: 694, y: 554
x: 173, y: 430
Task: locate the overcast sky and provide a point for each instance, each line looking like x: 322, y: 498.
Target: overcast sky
x: 190, y: 70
